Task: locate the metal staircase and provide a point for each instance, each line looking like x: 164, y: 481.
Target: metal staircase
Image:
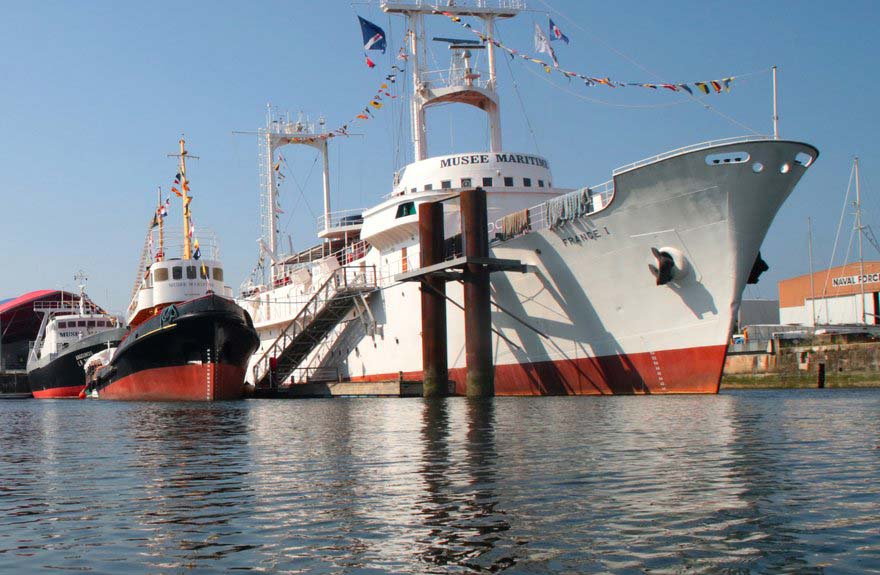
x: 342, y: 292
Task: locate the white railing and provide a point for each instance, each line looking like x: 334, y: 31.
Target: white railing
x: 343, y: 280
x: 209, y: 247
x: 341, y: 219
x: 456, y: 76
x: 600, y: 195
x: 506, y: 4
x: 687, y: 149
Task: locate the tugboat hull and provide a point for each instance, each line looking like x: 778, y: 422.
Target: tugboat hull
x: 192, y: 351
x: 62, y: 376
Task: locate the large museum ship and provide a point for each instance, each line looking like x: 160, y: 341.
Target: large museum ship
x: 630, y: 286
x: 188, y: 340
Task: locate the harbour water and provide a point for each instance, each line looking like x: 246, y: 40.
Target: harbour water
x: 742, y: 482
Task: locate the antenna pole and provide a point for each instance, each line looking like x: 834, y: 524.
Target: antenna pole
x: 326, y: 156
x: 859, y: 228
x: 161, y: 255
x: 775, y: 108
x: 812, y: 287
x: 418, y: 112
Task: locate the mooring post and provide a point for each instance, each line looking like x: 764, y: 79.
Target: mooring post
x: 435, y: 368
x: 477, y: 312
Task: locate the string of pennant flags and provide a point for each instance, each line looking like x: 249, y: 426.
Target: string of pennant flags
x: 542, y: 45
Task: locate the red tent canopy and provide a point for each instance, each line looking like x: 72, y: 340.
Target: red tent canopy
x: 18, y: 320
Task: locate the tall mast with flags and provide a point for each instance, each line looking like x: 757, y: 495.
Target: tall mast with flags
x: 160, y: 217
x: 185, y: 197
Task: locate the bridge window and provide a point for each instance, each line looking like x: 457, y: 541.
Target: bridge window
x: 176, y: 273
x: 81, y: 323
x: 91, y: 323
x: 446, y: 184
x: 508, y: 181
x: 205, y: 272
x: 540, y: 183
x: 429, y: 187
x: 487, y: 182
x: 190, y: 272
x: 465, y: 182
x: 527, y: 182
x: 62, y: 325
x: 218, y: 274
x: 406, y: 209
x: 160, y: 274
x: 412, y: 190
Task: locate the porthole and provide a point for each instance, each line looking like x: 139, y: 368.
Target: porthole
x: 784, y: 168
x: 804, y: 159
x: 757, y: 167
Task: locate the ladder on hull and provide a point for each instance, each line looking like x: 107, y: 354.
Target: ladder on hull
x: 342, y: 292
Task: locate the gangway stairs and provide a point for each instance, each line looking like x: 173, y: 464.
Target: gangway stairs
x: 342, y: 292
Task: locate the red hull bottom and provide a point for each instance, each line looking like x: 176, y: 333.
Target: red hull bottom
x: 694, y: 370
x: 202, y: 382
x: 69, y: 392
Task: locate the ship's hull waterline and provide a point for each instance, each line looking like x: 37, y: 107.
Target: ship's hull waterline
x: 588, y: 317
x: 63, y: 375
x: 197, y: 352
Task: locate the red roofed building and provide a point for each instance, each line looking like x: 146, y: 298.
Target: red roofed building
x: 19, y: 325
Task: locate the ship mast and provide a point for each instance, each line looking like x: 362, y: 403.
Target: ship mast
x: 860, y: 231
x: 81, y: 278
x: 184, y: 189
x: 454, y: 87
x: 281, y: 132
x: 160, y: 220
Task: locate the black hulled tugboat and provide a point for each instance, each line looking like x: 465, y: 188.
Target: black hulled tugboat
x: 188, y: 340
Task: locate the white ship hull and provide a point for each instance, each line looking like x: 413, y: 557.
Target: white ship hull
x: 588, y: 317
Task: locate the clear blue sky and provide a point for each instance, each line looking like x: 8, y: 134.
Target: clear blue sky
x: 96, y: 93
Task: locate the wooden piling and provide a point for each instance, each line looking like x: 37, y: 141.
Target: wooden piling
x: 434, y: 355
x: 477, y: 314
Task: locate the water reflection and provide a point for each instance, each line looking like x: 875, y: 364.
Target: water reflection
x: 749, y: 482
x: 460, y: 506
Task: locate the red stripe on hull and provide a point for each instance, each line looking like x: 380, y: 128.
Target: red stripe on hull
x: 202, y: 382
x: 71, y: 391
x: 695, y: 370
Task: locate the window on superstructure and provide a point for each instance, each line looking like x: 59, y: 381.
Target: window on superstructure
x: 508, y: 181
x: 204, y: 271
x: 540, y: 183
x: 218, y: 274
x: 429, y: 187
x: 177, y: 273
x: 465, y: 182
x: 412, y: 190
x: 91, y: 323
x: 446, y: 184
x: 487, y: 182
x: 81, y: 323
x: 406, y: 209
x: 527, y: 182
x: 62, y: 325
x: 190, y: 272
x: 160, y: 274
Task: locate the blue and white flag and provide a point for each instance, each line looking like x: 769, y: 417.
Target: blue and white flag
x: 542, y: 44
x: 556, y: 33
x: 374, y: 37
